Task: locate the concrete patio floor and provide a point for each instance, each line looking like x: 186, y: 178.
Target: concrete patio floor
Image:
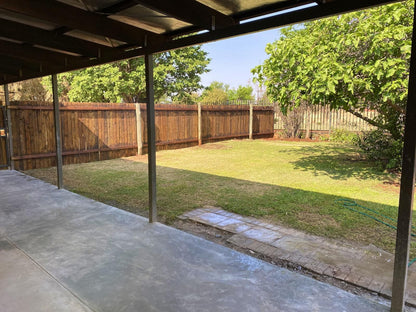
x: 62, y: 252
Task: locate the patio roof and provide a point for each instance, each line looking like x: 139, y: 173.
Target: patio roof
x: 43, y: 37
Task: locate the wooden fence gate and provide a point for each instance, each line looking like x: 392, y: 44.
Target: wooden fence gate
x: 3, y: 137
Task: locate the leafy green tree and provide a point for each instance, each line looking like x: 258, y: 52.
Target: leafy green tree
x: 29, y: 90
x: 356, y: 61
x: 176, y: 76
x: 241, y: 93
x: 218, y: 92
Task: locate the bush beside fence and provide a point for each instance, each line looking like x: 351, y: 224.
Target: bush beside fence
x: 322, y: 120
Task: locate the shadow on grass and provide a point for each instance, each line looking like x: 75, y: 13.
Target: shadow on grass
x: 123, y: 183
x: 338, y: 163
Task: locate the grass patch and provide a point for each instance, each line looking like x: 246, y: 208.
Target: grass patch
x: 289, y: 183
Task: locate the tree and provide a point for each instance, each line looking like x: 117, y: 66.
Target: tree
x: 176, y: 76
x: 241, y: 93
x: 28, y: 90
x: 218, y: 92
x: 356, y: 61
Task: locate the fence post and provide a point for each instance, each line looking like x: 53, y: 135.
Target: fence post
x: 9, y: 132
x: 199, y: 124
x: 139, y: 130
x: 250, y: 126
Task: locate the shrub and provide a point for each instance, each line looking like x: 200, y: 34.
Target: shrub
x: 292, y: 121
x: 379, y: 146
x: 343, y: 136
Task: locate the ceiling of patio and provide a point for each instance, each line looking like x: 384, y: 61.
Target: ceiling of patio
x: 43, y: 37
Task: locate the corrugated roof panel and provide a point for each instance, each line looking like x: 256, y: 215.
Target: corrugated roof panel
x: 27, y: 20
x: 145, y: 18
x: 230, y: 7
x: 91, y: 5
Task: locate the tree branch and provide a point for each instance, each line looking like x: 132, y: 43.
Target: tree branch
x: 370, y: 121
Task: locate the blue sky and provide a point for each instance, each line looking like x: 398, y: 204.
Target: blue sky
x: 232, y: 59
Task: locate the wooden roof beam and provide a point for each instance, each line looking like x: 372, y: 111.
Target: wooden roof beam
x: 41, y: 56
x: 37, y: 36
x: 16, y: 71
x: 74, y: 18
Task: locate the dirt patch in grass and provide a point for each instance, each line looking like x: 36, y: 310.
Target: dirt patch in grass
x: 290, y: 139
x: 388, y: 187
x: 318, y: 220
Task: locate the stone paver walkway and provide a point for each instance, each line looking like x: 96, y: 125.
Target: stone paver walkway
x: 365, y: 266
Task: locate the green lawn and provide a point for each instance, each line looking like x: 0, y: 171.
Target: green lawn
x: 290, y: 183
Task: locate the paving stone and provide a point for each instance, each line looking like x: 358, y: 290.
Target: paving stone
x: 237, y: 227
x: 227, y: 214
x: 262, y: 234
x: 304, y: 261
x: 255, y: 245
x: 269, y: 250
x: 364, y: 266
x: 342, y: 272
x: 387, y: 289
x: 317, y: 267
x: 213, y: 209
x: 365, y: 281
x: 252, y: 221
x: 240, y: 241
x: 376, y: 285
x: 295, y: 257
x: 210, y: 218
x: 353, y: 278
x: 228, y: 221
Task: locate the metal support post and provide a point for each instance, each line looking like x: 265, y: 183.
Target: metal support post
x: 151, y: 137
x: 199, y: 124
x: 250, y: 125
x: 404, y: 222
x: 57, y: 123
x: 9, y: 132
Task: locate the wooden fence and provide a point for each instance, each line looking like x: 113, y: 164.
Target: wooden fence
x: 97, y: 131
x: 322, y: 119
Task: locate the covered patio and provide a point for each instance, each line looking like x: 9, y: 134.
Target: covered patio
x: 63, y: 252
x: 96, y: 257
